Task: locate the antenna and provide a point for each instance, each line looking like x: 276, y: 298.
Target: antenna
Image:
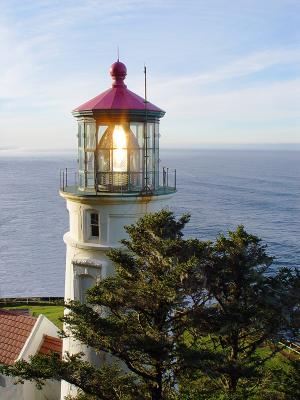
x: 145, y: 76
x: 146, y: 189
x: 118, y: 53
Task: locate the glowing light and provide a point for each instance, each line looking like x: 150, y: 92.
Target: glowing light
x: 119, y: 149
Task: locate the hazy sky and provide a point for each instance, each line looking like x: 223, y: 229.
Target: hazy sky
x: 225, y: 71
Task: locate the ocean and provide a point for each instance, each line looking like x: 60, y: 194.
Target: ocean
x: 219, y: 188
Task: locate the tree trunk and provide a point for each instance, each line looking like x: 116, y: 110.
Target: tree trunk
x: 156, y: 394
x: 234, y: 378
x: 233, y: 381
x: 157, y: 390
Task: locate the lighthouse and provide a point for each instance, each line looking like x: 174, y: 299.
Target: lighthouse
x: 118, y: 180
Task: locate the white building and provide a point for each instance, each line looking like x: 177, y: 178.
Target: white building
x: 22, y: 336
x: 118, y: 180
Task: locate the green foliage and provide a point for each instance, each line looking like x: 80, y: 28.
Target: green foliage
x: 283, y: 381
x: 147, y: 303
x: 249, y: 308
x: 106, y: 383
x: 183, y: 319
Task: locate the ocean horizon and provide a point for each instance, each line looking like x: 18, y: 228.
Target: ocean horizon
x: 23, y: 151
x: 220, y: 188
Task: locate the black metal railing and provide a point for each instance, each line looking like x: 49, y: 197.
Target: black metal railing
x: 118, y: 182
x: 68, y: 177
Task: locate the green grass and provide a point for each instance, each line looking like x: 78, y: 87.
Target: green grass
x: 52, y: 312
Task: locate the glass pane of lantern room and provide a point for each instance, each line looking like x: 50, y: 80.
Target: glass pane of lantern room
x: 90, y: 180
x: 81, y: 134
x: 81, y: 163
x: 101, y: 131
x: 138, y: 167
x: 90, y: 168
x: 133, y: 128
x: 150, y: 134
x: 156, y: 136
x: 119, y: 149
x: 104, y: 160
x: 81, y: 179
x: 156, y: 154
x: 90, y: 136
x: 137, y: 129
x: 103, y: 174
x: 90, y: 161
x: 150, y: 154
x: 135, y: 170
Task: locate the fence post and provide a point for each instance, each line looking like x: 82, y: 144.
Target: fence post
x: 164, y: 177
x: 175, y: 178
x: 167, y: 177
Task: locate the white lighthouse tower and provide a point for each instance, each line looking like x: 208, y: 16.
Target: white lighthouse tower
x: 118, y: 180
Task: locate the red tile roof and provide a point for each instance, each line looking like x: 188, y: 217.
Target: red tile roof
x: 50, y: 344
x: 14, y: 331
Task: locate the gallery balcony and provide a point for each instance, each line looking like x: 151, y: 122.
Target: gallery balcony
x: 118, y: 183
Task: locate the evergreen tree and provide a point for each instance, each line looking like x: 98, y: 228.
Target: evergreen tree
x: 251, y: 309
x: 146, y: 304
x: 139, y: 315
x: 287, y: 380
x: 182, y: 318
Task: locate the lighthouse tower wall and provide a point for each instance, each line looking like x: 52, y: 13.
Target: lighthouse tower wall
x: 86, y: 259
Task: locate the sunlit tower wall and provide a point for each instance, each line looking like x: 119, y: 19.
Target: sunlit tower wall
x: 117, y: 181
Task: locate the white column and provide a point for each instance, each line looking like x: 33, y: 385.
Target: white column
x: 86, y: 260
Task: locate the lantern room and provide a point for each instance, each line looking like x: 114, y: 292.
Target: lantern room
x: 118, y: 143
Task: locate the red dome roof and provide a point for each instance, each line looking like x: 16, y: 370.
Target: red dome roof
x: 118, y: 97
x: 118, y: 72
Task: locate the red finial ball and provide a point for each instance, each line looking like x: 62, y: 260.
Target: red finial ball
x: 118, y: 72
